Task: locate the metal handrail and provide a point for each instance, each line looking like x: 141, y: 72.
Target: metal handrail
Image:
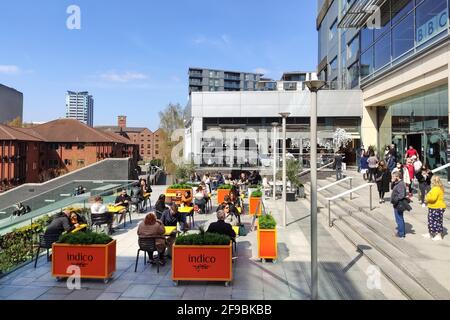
x: 350, y: 179
x: 441, y: 168
x: 320, y: 169
x: 330, y: 223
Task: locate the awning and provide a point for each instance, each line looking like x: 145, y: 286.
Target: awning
x: 359, y: 12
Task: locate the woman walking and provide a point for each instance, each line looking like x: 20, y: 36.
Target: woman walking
x: 436, y: 210
x: 424, y: 177
x: 383, y: 179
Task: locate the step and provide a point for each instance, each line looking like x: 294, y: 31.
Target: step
x: 370, y: 229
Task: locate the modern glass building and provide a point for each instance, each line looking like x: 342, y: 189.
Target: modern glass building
x: 80, y: 106
x: 397, y: 53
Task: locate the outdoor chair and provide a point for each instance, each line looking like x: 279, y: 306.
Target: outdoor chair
x: 100, y: 219
x: 45, y: 242
x: 148, y: 246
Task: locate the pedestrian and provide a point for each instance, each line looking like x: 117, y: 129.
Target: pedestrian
x: 436, y: 209
x: 417, y: 164
x: 424, y: 178
x: 337, y: 164
x: 400, y: 204
x: 373, y: 165
x: 412, y: 175
x: 383, y: 179
x: 365, y: 166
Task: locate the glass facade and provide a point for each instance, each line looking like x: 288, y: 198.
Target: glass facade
x: 406, y: 28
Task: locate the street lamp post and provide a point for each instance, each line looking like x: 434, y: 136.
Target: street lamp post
x: 284, y: 115
x: 314, y: 86
x: 275, y: 151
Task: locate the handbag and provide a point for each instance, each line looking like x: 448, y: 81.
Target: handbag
x: 403, y: 205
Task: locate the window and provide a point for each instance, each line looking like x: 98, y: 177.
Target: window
x: 80, y: 146
x: 333, y: 30
x: 149, y: 146
x: 80, y: 162
x: 156, y: 152
x: 385, y: 19
x: 353, y: 49
x: 68, y: 146
x: 142, y: 146
x: 400, y: 8
x: 403, y: 36
x: 431, y: 19
x: 383, y: 51
x: 68, y: 162
x: 353, y: 75
x: 367, y: 63
x: 149, y: 152
x: 366, y: 38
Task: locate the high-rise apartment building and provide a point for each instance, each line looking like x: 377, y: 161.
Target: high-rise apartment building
x: 11, y: 104
x: 80, y: 106
x: 201, y: 80
x: 397, y: 52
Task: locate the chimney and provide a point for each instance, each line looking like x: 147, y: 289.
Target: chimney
x: 122, y: 122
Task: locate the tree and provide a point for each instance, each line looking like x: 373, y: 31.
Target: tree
x: 171, y: 120
x: 17, y: 123
x: 341, y: 139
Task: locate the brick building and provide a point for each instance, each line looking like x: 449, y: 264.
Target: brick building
x: 148, y: 141
x: 48, y: 150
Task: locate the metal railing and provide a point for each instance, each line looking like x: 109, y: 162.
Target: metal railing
x: 349, y: 179
x: 305, y: 172
x: 441, y: 168
x: 370, y: 185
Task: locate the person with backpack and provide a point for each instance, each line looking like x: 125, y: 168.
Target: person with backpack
x: 400, y: 204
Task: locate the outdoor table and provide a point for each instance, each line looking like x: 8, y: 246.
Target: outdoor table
x: 187, y: 210
x: 239, y: 209
x: 169, y: 231
x: 81, y: 227
x: 115, y: 209
x: 236, y: 230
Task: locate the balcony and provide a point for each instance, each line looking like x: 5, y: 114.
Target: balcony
x: 235, y: 77
x: 232, y: 85
x: 195, y: 74
x: 195, y: 82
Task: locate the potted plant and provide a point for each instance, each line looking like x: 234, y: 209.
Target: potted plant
x: 255, y: 203
x: 267, y: 238
x: 202, y: 257
x: 223, y: 191
x: 93, y: 253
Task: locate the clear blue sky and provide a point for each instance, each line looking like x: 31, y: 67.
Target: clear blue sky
x: 133, y: 56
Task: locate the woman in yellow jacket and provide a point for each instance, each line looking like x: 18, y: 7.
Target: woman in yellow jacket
x: 436, y: 209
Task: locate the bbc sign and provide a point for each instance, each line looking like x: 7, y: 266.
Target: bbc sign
x: 432, y: 27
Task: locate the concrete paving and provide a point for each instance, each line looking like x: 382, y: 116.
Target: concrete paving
x: 342, y: 274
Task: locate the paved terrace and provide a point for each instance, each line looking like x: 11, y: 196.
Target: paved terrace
x: 342, y: 270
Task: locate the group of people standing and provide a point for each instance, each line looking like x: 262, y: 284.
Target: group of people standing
x: 401, y: 176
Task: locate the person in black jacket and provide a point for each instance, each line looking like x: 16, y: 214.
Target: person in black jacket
x: 160, y: 206
x: 221, y: 227
x: 60, y: 223
x: 383, y: 179
x: 424, y: 177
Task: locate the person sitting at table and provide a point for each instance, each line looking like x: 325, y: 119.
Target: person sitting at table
x: 137, y: 196
x: 98, y: 208
x: 230, y: 209
x: 171, y: 217
x: 236, y: 202
x: 160, y: 206
x: 200, y: 199
x: 76, y: 220
x: 221, y: 227
x: 186, y: 199
x: 152, y: 227
x: 59, y: 224
x: 123, y: 200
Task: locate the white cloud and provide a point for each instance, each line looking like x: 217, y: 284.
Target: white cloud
x: 123, y: 77
x: 221, y: 41
x: 9, y: 69
x: 261, y: 70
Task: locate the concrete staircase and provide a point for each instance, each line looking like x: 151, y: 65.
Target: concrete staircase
x: 415, y: 265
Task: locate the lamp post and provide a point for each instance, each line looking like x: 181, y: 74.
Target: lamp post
x: 275, y: 151
x: 314, y: 86
x: 284, y: 115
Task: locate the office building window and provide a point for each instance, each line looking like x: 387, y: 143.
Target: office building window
x: 353, y: 49
x: 385, y: 20
x: 366, y: 38
x: 400, y: 8
x: 367, y: 63
x: 383, y: 51
x: 353, y: 75
x: 431, y: 20
x: 403, y: 37
x: 333, y: 30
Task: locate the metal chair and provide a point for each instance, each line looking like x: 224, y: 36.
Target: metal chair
x: 45, y: 242
x: 100, y: 219
x: 148, y: 246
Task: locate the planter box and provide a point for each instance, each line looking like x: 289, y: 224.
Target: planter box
x: 182, y: 191
x: 267, y: 244
x: 255, y: 206
x: 202, y: 263
x: 95, y: 261
x: 221, y: 194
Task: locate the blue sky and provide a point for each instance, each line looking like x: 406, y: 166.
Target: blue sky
x: 133, y: 56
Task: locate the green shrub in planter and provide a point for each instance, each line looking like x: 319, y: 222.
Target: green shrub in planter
x: 267, y: 222
x: 225, y: 187
x: 85, y: 238
x: 203, y: 239
x: 257, y: 194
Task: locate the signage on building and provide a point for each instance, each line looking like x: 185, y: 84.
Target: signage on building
x: 432, y: 27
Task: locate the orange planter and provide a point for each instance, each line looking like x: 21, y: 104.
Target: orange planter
x: 267, y: 244
x: 202, y: 263
x: 95, y: 261
x: 255, y: 206
x: 221, y: 194
x: 176, y: 191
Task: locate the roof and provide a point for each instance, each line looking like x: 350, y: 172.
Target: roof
x: 117, y: 129
x: 72, y: 131
x: 11, y: 133
x: 117, y: 136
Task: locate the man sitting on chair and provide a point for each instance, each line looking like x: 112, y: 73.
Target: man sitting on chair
x: 221, y: 227
x: 123, y: 200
